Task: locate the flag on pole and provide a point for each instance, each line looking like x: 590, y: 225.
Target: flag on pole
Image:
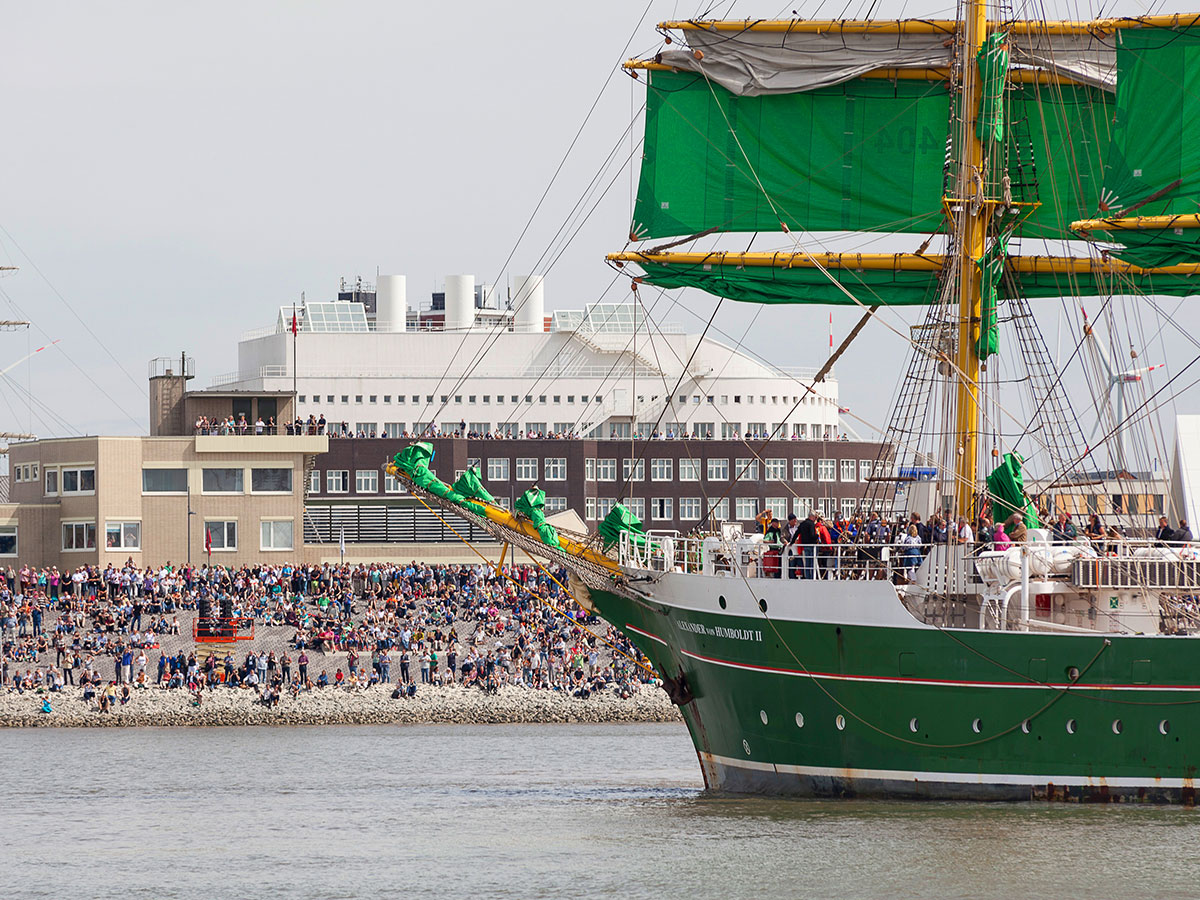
x: 342, y: 541
x: 295, y: 329
x: 208, y: 543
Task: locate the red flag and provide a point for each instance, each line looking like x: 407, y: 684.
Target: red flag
x: 208, y: 542
x: 294, y: 329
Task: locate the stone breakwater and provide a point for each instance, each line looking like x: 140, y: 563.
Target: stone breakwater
x: 449, y: 705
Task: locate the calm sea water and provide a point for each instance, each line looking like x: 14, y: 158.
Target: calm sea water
x: 522, y: 812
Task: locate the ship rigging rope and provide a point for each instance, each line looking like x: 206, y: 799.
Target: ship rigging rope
x: 1059, y: 692
x: 554, y: 178
x: 534, y: 594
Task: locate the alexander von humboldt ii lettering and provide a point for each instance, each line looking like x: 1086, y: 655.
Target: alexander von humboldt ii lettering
x: 1016, y: 161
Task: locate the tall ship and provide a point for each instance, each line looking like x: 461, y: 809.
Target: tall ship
x: 999, y: 162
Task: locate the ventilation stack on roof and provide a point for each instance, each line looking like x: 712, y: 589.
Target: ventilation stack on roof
x: 460, y: 302
x: 529, y: 302
x: 391, y: 304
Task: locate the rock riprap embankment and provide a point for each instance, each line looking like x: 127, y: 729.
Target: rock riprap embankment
x: 449, y: 705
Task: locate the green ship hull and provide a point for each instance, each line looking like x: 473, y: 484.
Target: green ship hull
x: 822, y: 709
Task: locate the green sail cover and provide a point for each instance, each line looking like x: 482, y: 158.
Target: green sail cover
x: 1155, y: 149
x: 414, y: 461
x: 470, y: 485
x: 1007, y: 488
x: 991, y: 268
x: 761, y: 284
x: 866, y: 155
x: 532, y: 505
x: 619, y: 520
x: 992, y: 60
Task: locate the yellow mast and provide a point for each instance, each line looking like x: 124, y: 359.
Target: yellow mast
x: 972, y: 221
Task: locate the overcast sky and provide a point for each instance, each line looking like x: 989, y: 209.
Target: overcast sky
x: 174, y: 172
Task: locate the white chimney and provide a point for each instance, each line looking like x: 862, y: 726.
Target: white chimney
x: 391, y: 304
x: 529, y: 301
x: 460, y: 302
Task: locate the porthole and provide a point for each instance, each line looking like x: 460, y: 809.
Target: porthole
x: 746, y: 747
x: 762, y: 604
x: 762, y: 714
x: 1071, y: 726
x: 1025, y: 727
x: 840, y: 722
x: 1072, y: 674
x: 1164, y: 727
x: 977, y: 726
x: 799, y: 720
x: 721, y: 601
x: 914, y: 725
x: 1117, y: 726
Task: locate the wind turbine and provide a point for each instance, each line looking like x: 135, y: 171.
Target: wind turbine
x: 1121, y: 381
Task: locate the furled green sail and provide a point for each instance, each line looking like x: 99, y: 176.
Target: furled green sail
x: 991, y: 269
x: 1007, y: 487
x: 873, y: 287
x: 532, y: 505
x: 1153, y: 165
x: 992, y: 60
x: 865, y: 155
x: 618, y: 520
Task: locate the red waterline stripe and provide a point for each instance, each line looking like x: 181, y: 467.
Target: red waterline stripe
x: 646, y: 634
x: 832, y: 676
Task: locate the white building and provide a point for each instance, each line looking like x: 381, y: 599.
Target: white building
x: 504, y: 365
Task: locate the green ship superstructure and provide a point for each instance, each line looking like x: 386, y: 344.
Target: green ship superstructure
x: 1057, y: 667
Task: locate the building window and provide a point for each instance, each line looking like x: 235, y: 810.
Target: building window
x: 689, y: 509
x: 556, y: 468
x: 718, y: 470
x: 222, y: 535
x: 392, y: 485
x: 155, y: 481
x: 660, y: 509
x: 849, y: 504
x: 79, y: 535
x: 271, y: 481
x: 366, y: 481
x: 51, y: 482
x: 662, y: 469
x: 589, y: 508
x: 746, y: 508
x: 802, y: 506
x: 606, y: 469
x: 497, y: 468
x: 8, y: 540
x: 637, y: 506
x: 337, y: 481
x: 556, y: 504
x: 636, y: 467
x: 747, y: 469
x: 276, y: 534
x: 589, y: 469
x: 222, y: 481
x: 689, y: 470
x: 393, y: 429
x: 123, y: 535
x: 864, y: 469
x: 314, y: 481
x: 80, y: 481
x: 826, y: 470
x: 527, y: 468
x: 849, y: 470
x: 604, y: 505
x: 731, y: 431
x: 721, y: 510
x: 778, y: 507
x: 802, y: 470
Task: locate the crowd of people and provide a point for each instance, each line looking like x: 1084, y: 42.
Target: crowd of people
x: 109, y: 633
x: 318, y: 424
x: 816, y: 546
